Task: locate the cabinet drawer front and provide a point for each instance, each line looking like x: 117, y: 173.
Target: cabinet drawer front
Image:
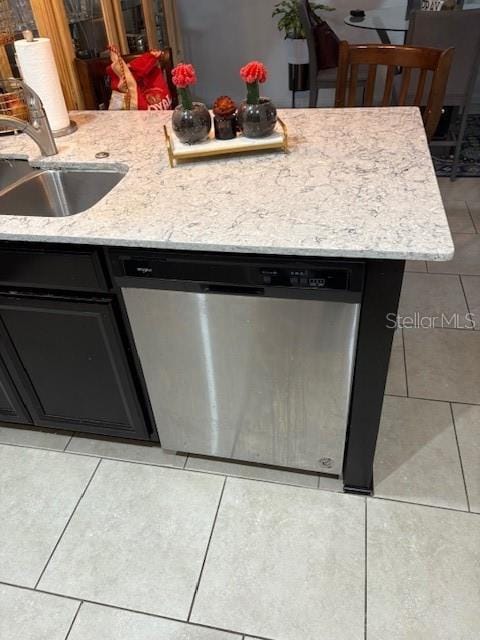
x: 71, y: 365
x: 68, y: 269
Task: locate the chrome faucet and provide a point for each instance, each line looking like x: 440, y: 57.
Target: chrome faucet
x: 38, y: 128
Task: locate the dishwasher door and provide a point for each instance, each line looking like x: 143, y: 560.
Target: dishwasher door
x: 247, y: 377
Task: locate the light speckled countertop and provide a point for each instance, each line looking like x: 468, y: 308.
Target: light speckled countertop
x: 357, y: 183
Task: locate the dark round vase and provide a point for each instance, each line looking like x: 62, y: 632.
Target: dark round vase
x: 257, y: 120
x: 191, y: 125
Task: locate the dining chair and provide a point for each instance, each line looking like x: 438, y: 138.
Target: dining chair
x: 93, y: 80
x: 393, y: 57
x: 318, y: 78
x: 459, y: 29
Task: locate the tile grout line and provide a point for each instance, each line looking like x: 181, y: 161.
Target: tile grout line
x: 468, y: 404
x: 197, y: 586
x: 436, y: 326
x: 119, y: 608
x: 31, y: 446
x: 460, y: 277
x: 424, y: 504
x: 167, y: 466
x: 460, y: 456
x: 366, y: 571
x: 73, y: 621
x: 48, y: 593
x: 471, y: 217
x: 69, y: 441
x: 405, y: 361
x: 68, y: 522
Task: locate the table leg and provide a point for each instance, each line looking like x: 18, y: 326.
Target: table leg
x: 384, y: 37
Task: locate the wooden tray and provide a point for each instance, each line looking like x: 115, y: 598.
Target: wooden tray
x: 178, y: 151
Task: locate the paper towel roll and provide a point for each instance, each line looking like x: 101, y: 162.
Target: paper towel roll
x: 38, y: 70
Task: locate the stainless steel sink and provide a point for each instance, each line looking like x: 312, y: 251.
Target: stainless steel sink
x: 13, y: 170
x: 25, y: 191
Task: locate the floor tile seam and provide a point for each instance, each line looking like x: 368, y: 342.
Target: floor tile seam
x: 404, y: 360
x: 434, y: 328
x: 92, y: 475
x: 467, y: 404
x: 197, y: 584
x: 448, y: 273
x: 92, y: 455
x: 184, y: 468
x: 477, y: 229
x: 73, y: 621
x: 465, y: 294
x: 423, y: 504
x: 82, y: 601
x: 68, y: 443
x: 460, y: 457
x: 127, y: 461
x: 36, y: 448
x: 265, y: 480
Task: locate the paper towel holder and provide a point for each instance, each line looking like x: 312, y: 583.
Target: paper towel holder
x: 72, y: 127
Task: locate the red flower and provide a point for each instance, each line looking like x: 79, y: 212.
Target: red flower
x: 253, y: 72
x: 184, y: 75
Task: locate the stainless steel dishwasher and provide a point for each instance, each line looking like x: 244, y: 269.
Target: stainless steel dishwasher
x: 247, y: 358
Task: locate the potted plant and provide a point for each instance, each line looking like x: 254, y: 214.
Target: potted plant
x: 295, y: 40
x: 257, y: 116
x: 191, y: 121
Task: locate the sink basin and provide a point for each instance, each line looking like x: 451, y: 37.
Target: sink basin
x: 52, y: 192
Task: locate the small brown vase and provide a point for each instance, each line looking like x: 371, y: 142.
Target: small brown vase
x: 225, y: 128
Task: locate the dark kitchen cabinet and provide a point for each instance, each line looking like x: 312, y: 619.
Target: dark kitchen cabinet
x: 12, y: 408
x: 69, y: 365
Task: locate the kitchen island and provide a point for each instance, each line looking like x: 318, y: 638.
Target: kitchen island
x: 358, y: 184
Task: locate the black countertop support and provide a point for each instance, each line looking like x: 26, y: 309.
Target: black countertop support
x: 381, y: 295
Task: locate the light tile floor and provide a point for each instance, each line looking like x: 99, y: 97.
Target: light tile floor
x: 105, y: 540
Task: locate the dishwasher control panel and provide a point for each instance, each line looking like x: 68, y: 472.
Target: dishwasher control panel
x: 325, y: 278
x: 265, y: 275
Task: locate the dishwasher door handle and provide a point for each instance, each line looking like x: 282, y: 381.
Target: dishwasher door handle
x: 232, y: 290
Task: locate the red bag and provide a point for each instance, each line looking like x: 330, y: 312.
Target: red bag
x: 139, y: 84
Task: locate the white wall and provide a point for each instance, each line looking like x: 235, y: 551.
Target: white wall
x: 222, y: 35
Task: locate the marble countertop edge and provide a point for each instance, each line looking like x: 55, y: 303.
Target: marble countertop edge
x: 363, y: 178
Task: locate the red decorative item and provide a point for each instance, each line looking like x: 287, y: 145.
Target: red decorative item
x: 191, y: 121
x: 254, y: 72
x: 139, y: 84
x: 256, y: 116
x: 184, y: 76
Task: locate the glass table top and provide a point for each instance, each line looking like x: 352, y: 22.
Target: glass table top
x: 392, y: 18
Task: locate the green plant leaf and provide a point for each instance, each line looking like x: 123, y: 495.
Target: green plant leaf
x: 289, y: 21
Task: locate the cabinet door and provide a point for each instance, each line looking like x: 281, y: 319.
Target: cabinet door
x: 70, y: 362
x: 12, y: 408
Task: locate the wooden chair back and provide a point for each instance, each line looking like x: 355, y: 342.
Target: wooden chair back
x: 96, y: 90
x: 428, y: 61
